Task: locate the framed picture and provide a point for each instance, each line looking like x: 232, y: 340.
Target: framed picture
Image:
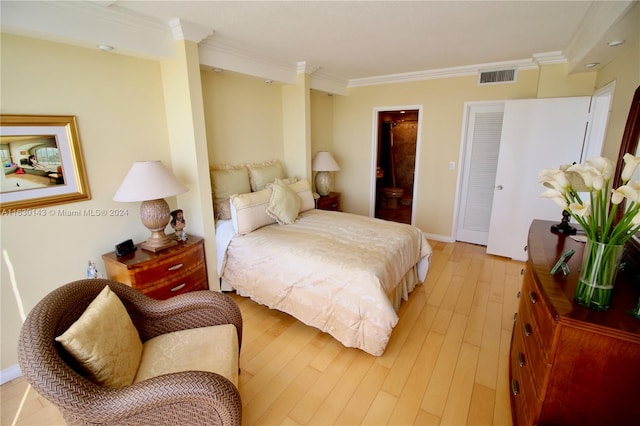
x: 41, y: 160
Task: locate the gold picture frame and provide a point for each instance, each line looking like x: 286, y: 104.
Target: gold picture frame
x: 41, y: 161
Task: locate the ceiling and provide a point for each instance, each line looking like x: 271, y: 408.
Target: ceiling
x: 344, y: 43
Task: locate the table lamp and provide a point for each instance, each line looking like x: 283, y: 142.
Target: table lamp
x: 150, y: 182
x: 323, y: 163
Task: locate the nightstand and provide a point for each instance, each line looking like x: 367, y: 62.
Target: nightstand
x: 329, y: 202
x: 164, y: 274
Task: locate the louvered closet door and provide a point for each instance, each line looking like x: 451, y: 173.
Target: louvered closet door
x: 480, y: 163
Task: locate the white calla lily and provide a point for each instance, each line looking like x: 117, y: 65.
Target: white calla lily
x: 631, y: 162
x: 582, y: 210
x: 625, y: 191
x: 586, y: 173
x: 555, y: 196
x: 603, y: 165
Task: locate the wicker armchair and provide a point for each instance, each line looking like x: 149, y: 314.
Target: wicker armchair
x: 191, y: 397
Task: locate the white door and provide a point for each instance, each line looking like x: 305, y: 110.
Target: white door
x: 482, y: 144
x: 536, y: 134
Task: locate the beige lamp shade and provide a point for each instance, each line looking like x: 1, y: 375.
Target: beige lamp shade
x: 323, y: 163
x: 150, y: 182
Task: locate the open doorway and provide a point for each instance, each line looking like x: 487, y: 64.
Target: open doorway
x: 395, y: 166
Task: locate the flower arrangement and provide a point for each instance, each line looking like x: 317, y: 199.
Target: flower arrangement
x: 596, y: 214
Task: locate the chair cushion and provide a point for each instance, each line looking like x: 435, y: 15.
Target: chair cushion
x: 104, y: 342
x: 213, y: 349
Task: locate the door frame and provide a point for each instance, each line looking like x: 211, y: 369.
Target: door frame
x: 374, y: 155
x: 462, y: 158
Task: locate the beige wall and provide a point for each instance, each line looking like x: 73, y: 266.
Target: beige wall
x: 119, y: 106
x: 442, y: 117
x: 243, y: 117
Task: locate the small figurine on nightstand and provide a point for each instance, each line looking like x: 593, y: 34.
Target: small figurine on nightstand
x: 92, y: 271
x: 178, y: 223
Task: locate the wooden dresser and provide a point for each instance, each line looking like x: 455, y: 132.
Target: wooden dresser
x: 164, y: 274
x: 570, y: 365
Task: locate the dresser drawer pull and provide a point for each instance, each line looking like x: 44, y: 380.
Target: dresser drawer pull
x: 518, y: 295
x: 175, y: 267
x: 179, y: 287
x: 515, y: 388
x: 533, y: 297
x: 527, y: 329
x: 515, y: 316
x: 520, y: 359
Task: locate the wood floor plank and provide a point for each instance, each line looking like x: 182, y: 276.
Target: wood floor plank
x: 363, y: 397
x: 456, y: 409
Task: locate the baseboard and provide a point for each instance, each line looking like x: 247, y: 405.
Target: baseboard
x: 442, y: 238
x: 9, y: 374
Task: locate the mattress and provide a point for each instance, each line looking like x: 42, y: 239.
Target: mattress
x: 342, y: 273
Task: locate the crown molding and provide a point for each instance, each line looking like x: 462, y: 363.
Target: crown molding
x: 87, y: 24
x: 467, y: 70
x: 186, y: 30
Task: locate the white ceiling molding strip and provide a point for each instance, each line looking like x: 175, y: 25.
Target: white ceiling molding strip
x: 549, y: 58
x: 213, y: 54
x: 87, y: 24
x: 523, y: 64
x: 596, y: 24
x: 185, y: 30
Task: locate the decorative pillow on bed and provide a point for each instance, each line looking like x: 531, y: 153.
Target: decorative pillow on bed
x: 284, y: 204
x: 227, y: 180
x: 249, y: 211
x: 303, y: 189
x: 105, y: 342
x: 262, y: 174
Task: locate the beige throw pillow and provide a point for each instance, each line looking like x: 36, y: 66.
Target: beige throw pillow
x: 104, y: 342
x: 262, y: 174
x: 225, y: 181
x: 248, y: 211
x: 284, y: 204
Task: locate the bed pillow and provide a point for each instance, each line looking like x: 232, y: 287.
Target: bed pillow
x: 303, y: 189
x: 249, y: 211
x: 227, y: 180
x: 104, y: 342
x: 261, y: 174
x: 284, y: 204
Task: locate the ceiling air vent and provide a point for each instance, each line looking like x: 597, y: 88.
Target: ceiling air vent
x: 496, y: 77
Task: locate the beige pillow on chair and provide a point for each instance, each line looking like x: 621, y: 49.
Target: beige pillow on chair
x: 104, y: 342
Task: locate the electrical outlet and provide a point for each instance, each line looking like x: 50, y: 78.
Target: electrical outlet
x: 452, y: 165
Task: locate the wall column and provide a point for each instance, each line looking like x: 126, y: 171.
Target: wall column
x: 296, y: 116
x: 187, y: 137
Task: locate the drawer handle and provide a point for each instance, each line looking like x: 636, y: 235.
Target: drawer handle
x: 515, y: 388
x: 527, y: 329
x: 518, y: 295
x: 515, y: 316
x: 175, y: 267
x: 179, y: 287
x: 520, y: 359
x: 533, y: 297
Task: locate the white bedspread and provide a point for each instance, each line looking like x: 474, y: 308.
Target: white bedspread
x: 338, y: 272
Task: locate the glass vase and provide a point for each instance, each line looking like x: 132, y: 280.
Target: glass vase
x: 600, y: 264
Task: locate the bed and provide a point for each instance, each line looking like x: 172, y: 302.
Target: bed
x: 342, y: 273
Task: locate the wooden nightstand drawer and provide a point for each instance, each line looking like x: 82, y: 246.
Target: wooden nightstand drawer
x: 163, y: 274
x: 170, y: 269
x: 527, y: 356
x: 329, y: 202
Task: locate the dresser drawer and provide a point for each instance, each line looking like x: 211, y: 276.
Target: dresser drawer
x: 527, y: 355
x: 524, y: 402
x: 535, y: 315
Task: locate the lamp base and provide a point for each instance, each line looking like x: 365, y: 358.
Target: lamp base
x: 158, y: 242
x: 155, y: 215
x: 323, y: 183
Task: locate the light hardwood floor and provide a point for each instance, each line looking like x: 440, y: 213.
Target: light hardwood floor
x: 446, y: 362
